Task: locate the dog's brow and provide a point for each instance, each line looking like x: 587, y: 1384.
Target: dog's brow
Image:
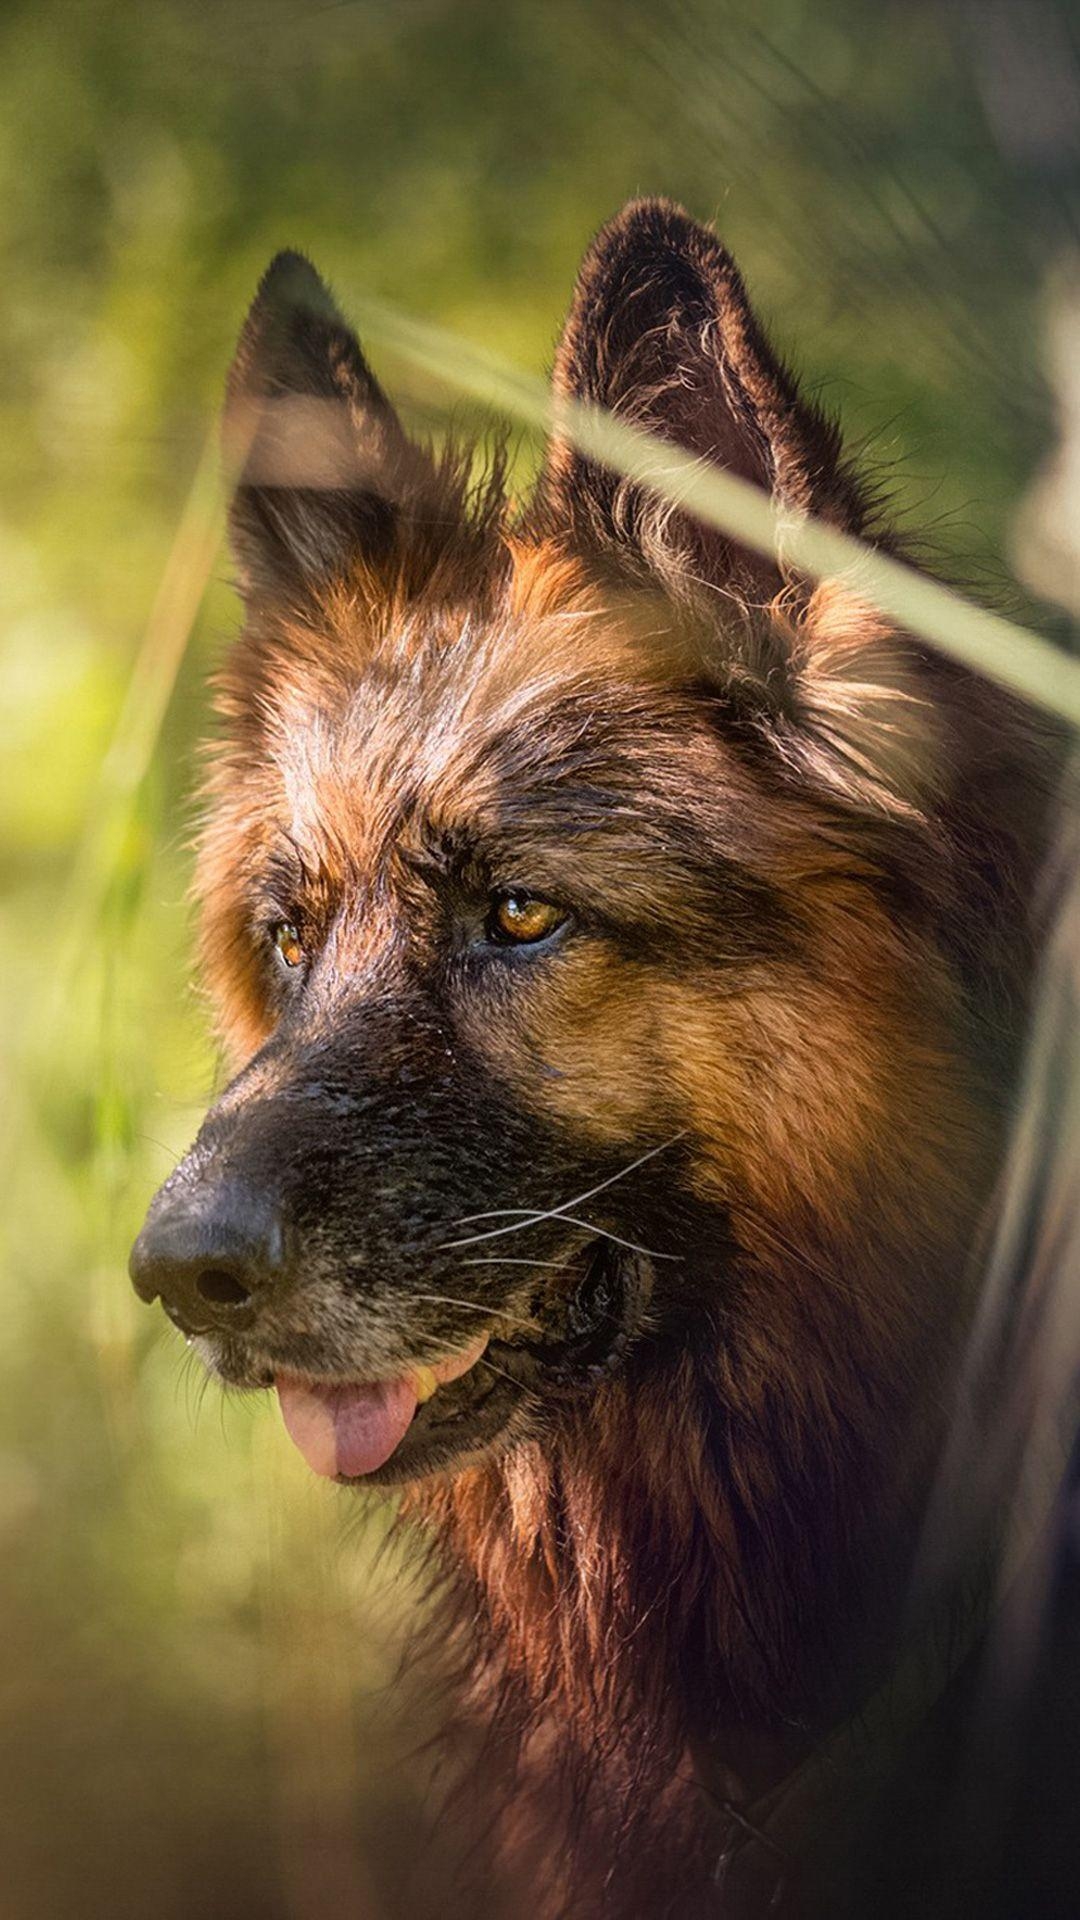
x: 438, y: 845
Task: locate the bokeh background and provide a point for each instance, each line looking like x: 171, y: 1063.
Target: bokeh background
x: 203, y: 1707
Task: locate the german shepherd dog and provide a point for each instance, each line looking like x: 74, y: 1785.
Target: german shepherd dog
x: 622, y: 944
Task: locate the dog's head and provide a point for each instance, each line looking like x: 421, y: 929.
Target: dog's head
x: 573, y: 889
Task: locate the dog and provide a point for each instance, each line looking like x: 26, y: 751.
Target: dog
x: 623, y: 946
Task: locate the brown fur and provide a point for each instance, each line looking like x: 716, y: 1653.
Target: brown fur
x: 807, y: 847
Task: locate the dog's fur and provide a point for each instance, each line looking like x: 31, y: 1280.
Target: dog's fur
x: 795, y: 850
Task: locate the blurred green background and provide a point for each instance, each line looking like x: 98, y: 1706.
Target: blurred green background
x: 201, y: 1708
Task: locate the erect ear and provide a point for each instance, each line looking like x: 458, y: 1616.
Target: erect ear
x: 318, y: 460
x: 661, y: 333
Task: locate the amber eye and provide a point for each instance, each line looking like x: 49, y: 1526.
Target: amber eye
x: 287, y: 941
x: 518, y: 918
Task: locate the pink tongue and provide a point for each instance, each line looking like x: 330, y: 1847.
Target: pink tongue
x: 346, y: 1430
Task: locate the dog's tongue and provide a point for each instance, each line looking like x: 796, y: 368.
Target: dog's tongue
x: 350, y: 1429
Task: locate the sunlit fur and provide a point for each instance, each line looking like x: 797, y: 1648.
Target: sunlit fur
x: 799, y: 852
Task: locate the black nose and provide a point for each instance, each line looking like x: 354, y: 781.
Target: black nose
x: 212, y: 1252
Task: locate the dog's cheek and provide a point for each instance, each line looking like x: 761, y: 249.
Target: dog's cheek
x: 828, y: 1105
x: 578, y: 1043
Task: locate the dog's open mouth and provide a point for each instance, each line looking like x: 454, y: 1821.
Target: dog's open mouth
x: 347, y: 1429
x: 434, y: 1414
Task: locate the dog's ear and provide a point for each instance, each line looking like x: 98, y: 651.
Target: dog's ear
x: 662, y: 334
x: 316, y: 456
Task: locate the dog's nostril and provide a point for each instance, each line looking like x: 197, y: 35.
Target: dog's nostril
x: 221, y: 1289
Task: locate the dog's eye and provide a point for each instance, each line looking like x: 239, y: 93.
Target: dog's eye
x: 288, y: 943
x: 520, y: 919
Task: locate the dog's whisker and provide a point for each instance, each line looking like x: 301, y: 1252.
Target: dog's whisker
x: 509, y: 1260
x: 579, y: 1199
x: 202, y: 1390
x: 568, y: 1219
x: 496, y: 1233
x: 476, y: 1306
x: 498, y: 1213
x: 503, y: 1375
x: 633, y: 1246
x: 451, y: 1300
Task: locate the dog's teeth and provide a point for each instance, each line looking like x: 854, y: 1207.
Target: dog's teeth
x: 425, y: 1383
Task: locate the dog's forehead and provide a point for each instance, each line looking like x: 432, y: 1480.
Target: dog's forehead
x: 454, y: 724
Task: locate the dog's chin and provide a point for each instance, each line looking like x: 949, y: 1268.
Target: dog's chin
x: 514, y: 1389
